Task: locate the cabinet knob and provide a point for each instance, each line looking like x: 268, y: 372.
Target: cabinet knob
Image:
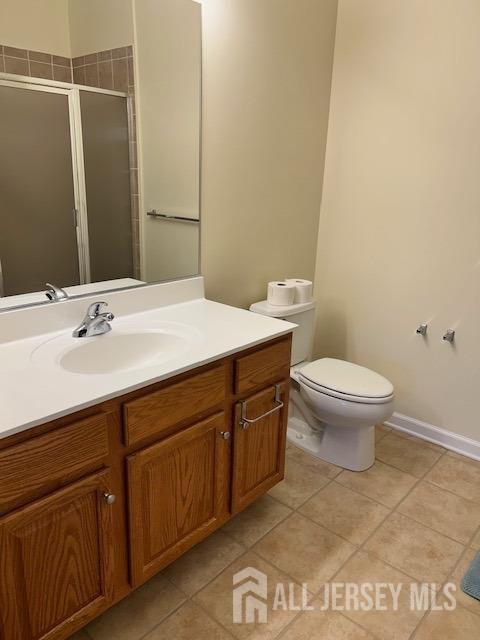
x: 225, y: 435
x: 109, y: 498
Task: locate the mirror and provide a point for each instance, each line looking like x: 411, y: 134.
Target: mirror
x: 100, y: 108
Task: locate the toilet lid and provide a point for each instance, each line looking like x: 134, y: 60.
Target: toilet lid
x: 347, y: 378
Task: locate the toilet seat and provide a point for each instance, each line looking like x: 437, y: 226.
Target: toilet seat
x: 344, y: 396
x: 346, y: 381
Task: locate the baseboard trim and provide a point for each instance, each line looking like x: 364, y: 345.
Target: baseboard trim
x: 452, y: 441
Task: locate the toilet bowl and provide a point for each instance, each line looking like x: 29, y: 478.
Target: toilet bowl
x: 334, y: 407
x: 334, y: 404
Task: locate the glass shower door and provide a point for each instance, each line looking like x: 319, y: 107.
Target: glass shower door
x: 38, y: 235
x: 107, y: 179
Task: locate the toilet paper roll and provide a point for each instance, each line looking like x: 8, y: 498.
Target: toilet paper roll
x: 281, y: 293
x: 303, y: 289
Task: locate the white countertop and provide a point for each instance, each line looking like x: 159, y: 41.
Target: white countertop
x: 32, y: 392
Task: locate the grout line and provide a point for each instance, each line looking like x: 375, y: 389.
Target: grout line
x: 207, y: 613
x: 296, y: 580
x: 374, y: 531
x: 245, y: 549
x: 364, y: 495
x: 446, y: 535
x: 315, y: 493
x: 284, y: 631
x: 248, y: 547
x: 358, y: 546
x: 390, y: 464
x: 468, y: 548
x: 431, y: 612
x: 173, y: 612
x: 368, y: 631
x: 418, y: 625
x: 452, y: 493
x: 462, y: 458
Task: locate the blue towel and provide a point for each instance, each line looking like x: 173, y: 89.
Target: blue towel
x: 471, y: 580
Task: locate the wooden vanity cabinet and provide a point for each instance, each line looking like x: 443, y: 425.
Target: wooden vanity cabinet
x: 94, y: 504
x: 178, y: 494
x: 259, y: 451
x: 57, y: 562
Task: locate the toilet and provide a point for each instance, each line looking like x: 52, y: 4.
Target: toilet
x: 334, y: 404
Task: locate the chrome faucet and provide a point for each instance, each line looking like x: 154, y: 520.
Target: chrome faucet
x: 95, y: 323
x: 54, y: 293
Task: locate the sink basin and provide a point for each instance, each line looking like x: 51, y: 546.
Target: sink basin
x: 124, y: 348
x: 119, y: 352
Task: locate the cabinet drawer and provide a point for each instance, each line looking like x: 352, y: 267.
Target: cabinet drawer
x: 42, y: 464
x: 262, y: 366
x: 161, y: 410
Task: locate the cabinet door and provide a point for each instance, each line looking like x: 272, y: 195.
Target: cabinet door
x: 259, y: 447
x: 57, y: 562
x: 178, y: 494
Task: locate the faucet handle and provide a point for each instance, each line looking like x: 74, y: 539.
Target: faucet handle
x: 95, y: 309
x: 54, y: 293
x: 95, y: 322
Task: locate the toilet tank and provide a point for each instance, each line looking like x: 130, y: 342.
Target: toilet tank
x: 302, y: 315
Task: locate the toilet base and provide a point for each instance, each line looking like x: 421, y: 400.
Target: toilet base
x: 351, y: 448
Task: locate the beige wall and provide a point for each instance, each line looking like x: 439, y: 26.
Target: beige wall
x: 399, y: 239
x: 168, y: 56
x: 267, y: 72
x: 66, y: 27
x: 98, y: 25
x: 34, y: 25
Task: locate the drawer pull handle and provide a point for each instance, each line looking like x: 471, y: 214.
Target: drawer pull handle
x: 109, y: 498
x: 246, y: 422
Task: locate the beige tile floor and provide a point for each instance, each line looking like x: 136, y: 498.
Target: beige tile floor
x: 414, y: 516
